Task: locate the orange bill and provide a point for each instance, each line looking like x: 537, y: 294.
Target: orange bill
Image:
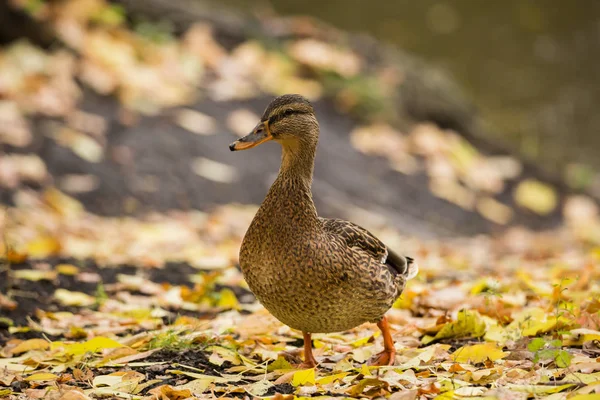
x: 259, y: 134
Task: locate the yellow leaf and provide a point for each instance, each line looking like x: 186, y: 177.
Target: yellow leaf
x: 42, y: 376
x: 484, y: 284
x: 536, y: 321
x: 42, y: 247
x: 587, y: 379
x: 280, y: 363
x: 498, y: 334
x: 75, y: 299
x: 364, y: 369
x: 34, y: 275
x: 362, y: 341
x: 463, y: 154
x: 171, y: 393
x: 539, y: 389
x: 467, y: 324
x: 332, y: 378
x: 445, y: 396
x: 197, y: 385
x: 304, y: 377
x: 91, y: 346
x: 536, y: 196
x: 31, y: 344
x: 589, y: 396
x: 66, y: 269
x: 580, y: 336
x: 478, y: 353
x: 61, y: 203
x: 228, y: 300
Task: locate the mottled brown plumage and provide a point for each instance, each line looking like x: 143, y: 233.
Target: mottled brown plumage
x: 313, y: 274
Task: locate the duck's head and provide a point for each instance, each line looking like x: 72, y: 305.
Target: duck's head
x: 289, y: 120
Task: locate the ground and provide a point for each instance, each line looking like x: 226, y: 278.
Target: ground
x: 518, y: 314
x: 122, y: 222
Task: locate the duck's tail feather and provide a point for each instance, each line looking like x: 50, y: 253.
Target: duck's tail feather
x: 413, y: 268
x: 405, y: 266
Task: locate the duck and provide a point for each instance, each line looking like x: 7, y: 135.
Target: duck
x: 314, y: 274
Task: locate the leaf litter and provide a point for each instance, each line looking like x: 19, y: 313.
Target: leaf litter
x: 170, y: 315
x: 155, y: 306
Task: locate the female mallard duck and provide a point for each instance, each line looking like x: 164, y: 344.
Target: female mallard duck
x: 314, y: 274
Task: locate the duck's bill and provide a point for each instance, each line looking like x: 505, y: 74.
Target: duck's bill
x: 259, y: 135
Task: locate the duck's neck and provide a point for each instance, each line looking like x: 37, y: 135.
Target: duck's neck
x: 290, y: 195
x: 297, y: 163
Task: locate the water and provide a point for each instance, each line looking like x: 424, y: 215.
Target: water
x: 532, y: 67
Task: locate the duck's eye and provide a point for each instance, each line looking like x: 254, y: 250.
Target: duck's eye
x: 288, y: 112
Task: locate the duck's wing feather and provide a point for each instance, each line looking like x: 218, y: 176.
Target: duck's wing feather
x: 356, y: 236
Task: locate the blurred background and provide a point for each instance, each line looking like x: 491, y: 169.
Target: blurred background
x: 451, y: 117
x: 530, y: 67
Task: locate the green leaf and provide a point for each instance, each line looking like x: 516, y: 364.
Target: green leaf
x: 563, y: 359
x: 547, y: 354
x: 536, y: 344
x: 556, y: 343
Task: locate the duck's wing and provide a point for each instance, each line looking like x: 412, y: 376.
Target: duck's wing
x: 356, y: 236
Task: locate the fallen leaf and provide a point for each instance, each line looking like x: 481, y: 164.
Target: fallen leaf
x: 221, y: 354
x: 242, y: 121
x: 478, y: 353
x: 214, y: 170
x: 31, y: 344
x: 42, y: 376
x: 82, y: 145
x: 91, y: 346
x: 73, y: 299
x: 539, y: 389
x: 536, y: 196
x: 195, y: 122
x: 34, y: 275
x: 168, y: 392
x: 43, y: 247
x: 259, y: 388
x: 67, y: 269
x: 467, y: 324
x: 304, y: 377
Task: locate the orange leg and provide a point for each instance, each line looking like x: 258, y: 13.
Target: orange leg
x: 388, y: 355
x: 309, y: 359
